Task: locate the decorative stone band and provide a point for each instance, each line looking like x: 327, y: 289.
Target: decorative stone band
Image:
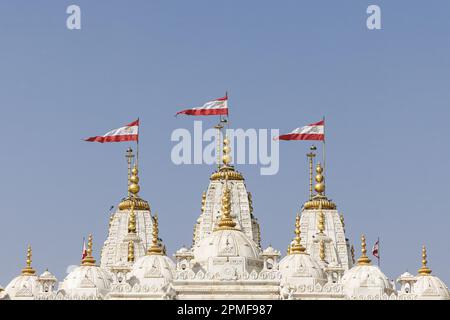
x: 318, y: 202
x: 139, y: 204
x: 230, y: 175
x: 264, y: 275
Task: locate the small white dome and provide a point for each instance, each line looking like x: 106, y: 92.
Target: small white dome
x: 87, y: 280
x: 23, y: 287
x: 226, y: 243
x: 182, y: 250
x: 430, y: 287
x: 301, y: 265
x: 153, y: 270
x: 271, y: 251
x: 406, y: 275
x: 364, y: 280
x: 48, y: 276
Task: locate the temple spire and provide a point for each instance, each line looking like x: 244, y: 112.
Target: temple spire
x: 89, y: 259
x: 28, y: 270
x: 424, y: 270
x: 364, y: 259
x: 155, y: 248
x: 297, y: 247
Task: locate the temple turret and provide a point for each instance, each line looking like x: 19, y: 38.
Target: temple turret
x: 131, y: 222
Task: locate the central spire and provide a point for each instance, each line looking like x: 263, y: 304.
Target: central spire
x: 319, y: 200
x: 226, y: 170
x: 133, y: 187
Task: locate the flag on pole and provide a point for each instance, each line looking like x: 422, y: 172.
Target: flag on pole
x: 314, y: 131
x: 211, y: 108
x: 84, y: 252
x: 130, y: 132
x: 376, y: 249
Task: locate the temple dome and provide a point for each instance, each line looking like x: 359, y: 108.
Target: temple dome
x: 87, y: 280
x: 301, y: 266
x: 151, y: 269
x: 23, y: 287
x: 430, y: 287
x: 364, y: 280
x: 226, y: 243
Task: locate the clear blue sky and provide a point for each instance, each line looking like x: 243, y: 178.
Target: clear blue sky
x: 286, y: 63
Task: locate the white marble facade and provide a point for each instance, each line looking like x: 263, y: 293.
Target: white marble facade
x: 226, y: 260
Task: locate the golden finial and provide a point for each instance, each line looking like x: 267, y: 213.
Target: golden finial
x: 134, y: 182
x: 155, y: 248
x: 322, y: 250
x: 226, y: 158
x: 364, y: 259
x: 28, y: 270
x: 320, y: 181
x: 352, y: 251
x: 424, y: 270
x: 226, y: 222
x: 297, y: 247
x: 132, y: 220
x: 321, y: 220
x: 203, y: 201
x: 311, y: 157
x: 89, y: 259
x: 131, y: 251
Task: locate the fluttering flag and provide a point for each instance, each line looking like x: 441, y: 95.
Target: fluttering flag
x: 84, y: 252
x: 130, y: 132
x: 376, y: 249
x: 314, y: 131
x: 211, y: 108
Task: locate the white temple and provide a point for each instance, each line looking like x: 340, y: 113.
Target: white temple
x: 226, y: 260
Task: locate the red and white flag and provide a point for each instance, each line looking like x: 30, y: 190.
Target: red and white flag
x: 211, y: 108
x: 84, y: 252
x: 376, y: 249
x: 130, y: 132
x: 314, y: 131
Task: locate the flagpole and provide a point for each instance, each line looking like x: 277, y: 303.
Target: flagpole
x: 137, y: 147
x: 323, y: 148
